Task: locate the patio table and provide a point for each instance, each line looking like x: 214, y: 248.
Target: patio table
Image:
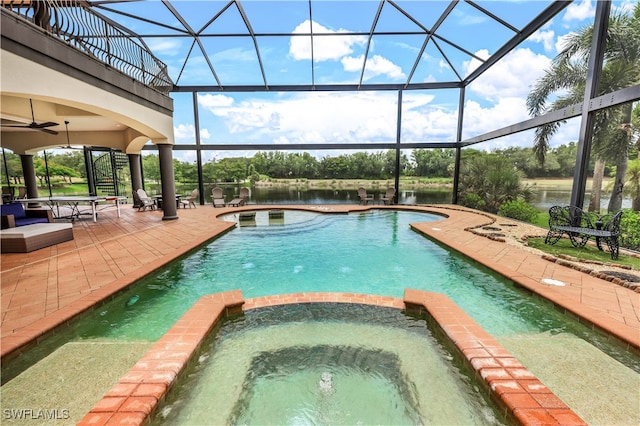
x: 74, y: 202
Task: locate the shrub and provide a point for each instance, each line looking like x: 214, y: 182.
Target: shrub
x: 519, y: 210
x: 630, y: 229
x: 473, y: 201
x: 493, y: 178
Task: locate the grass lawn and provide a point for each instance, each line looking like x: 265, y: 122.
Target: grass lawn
x: 542, y: 220
x: 76, y: 188
x: 588, y: 252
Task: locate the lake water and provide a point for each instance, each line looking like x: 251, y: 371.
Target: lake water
x: 543, y: 198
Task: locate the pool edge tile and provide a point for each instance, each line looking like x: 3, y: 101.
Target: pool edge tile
x: 159, y: 369
x: 520, y: 394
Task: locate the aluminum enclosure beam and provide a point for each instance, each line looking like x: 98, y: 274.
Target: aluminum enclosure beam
x: 319, y: 87
x: 594, y: 74
x: 622, y: 96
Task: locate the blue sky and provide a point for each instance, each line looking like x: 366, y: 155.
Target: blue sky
x: 494, y: 100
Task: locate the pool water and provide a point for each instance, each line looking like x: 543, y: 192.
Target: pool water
x: 325, y: 364
x: 373, y: 253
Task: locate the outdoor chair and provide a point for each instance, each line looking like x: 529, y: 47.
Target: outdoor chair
x: 244, y: 195
x: 8, y: 194
x: 218, y: 197
x: 191, y: 200
x: 240, y: 200
x: 364, y: 197
x: 22, y: 193
x: 387, y: 197
x: 143, y: 201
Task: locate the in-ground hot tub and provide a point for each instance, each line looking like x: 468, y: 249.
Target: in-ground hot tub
x: 325, y: 363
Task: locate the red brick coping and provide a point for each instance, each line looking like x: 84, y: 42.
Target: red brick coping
x: 524, y: 399
x: 521, y: 396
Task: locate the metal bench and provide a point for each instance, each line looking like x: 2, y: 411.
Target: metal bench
x: 580, y: 226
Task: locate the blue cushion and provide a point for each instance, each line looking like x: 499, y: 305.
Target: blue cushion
x: 15, y: 209
x: 31, y: 220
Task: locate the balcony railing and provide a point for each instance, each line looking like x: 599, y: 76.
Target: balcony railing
x: 80, y: 27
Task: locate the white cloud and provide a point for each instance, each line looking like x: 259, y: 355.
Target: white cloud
x: 579, y: 11
x: 474, y: 63
x: 325, y: 48
x: 186, y: 156
x: 546, y: 37
x: 339, y: 117
x: 217, y: 104
x: 316, y: 117
x: 342, y: 48
x: 165, y: 46
x: 234, y: 55
x: 184, y: 132
x: 351, y: 63
x: 326, y: 117
x: 464, y: 19
x: 322, y: 117
x: 506, y: 111
x: 429, y: 125
x: 429, y: 78
x: 513, y: 76
x: 377, y: 65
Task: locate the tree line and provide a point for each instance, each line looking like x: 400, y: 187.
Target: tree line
x: 429, y: 163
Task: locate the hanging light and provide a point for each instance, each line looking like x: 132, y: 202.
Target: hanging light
x: 6, y: 168
x: 46, y: 166
x: 66, y: 125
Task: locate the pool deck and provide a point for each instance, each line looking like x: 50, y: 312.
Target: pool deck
x: 44, y: 289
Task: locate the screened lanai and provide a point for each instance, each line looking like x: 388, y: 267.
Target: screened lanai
x: 338, y: 76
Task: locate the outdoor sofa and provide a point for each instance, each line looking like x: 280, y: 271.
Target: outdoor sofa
x: 26, y: 230
x: 14, y: 214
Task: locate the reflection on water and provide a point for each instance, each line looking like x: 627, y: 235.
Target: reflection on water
x: 543, y: 198
x: 546, y: 198
x: 285, y: 195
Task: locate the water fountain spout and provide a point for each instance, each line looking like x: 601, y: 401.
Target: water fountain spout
x: 326, y: 383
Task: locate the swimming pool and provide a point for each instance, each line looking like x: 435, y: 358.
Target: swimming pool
x: 374, y: 253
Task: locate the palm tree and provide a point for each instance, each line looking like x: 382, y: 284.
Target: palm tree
x: 633, y: 128
x: 568, y: 72
x: 632, y: 185
x: 490, y: 180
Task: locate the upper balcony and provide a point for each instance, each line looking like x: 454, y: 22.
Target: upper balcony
x: 78, y: 26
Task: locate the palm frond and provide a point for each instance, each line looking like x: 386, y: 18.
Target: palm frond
x: 542, y: 138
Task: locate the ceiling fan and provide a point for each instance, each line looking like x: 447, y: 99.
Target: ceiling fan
x: 68, y: 146
x: 34, y: 125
